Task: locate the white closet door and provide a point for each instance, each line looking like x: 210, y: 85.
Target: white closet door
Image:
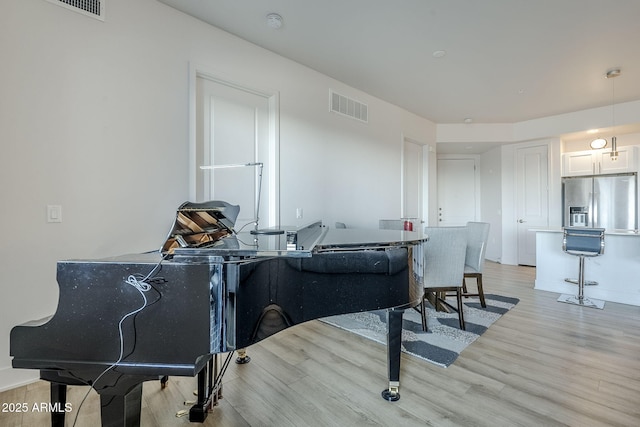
x: 456, y: 191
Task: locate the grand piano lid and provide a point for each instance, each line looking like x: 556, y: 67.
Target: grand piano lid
x: 199, y: 225
x: 290, y: 241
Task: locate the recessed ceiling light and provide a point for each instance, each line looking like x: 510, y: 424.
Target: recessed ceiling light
x: 439, y: 53
x: 468, y: 120
x: 274, y: 20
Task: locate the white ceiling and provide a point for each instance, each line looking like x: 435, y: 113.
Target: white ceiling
x: 506, y: 60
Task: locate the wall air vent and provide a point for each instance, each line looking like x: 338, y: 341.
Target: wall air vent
x: 92, y: 8
x: 349, y: 107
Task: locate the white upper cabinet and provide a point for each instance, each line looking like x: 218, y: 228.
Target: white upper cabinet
x: 578, y: 163
x: 597, y: 162
x: 626, y: 161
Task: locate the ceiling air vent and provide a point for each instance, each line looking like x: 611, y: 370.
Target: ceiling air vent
x: 92, y: 8
x: 349, y: 107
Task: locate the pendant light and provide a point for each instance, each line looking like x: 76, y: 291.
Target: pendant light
x: 612, y: 73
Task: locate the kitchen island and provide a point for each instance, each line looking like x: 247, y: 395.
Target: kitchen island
x: 617, y: 271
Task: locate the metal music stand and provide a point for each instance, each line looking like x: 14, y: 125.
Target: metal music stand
x: 260, y: 166
x: 582, y: 242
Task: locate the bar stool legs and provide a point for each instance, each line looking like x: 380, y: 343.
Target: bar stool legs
x: 580, y: 298
x: 577, y: 281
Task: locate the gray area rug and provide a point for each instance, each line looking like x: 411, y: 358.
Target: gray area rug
x: 444, y: 340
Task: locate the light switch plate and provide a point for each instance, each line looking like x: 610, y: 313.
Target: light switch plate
x: 54, y: 213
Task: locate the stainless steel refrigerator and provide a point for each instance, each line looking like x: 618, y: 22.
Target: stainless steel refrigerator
x: 603, y: 201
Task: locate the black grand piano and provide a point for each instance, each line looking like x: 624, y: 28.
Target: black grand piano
x: 210, y: 291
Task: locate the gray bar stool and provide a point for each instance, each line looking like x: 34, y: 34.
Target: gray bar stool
x: 582, y: 242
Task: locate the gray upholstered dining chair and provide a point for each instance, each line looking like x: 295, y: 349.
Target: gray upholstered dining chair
x: 477, y: 238
x: 444, y: 255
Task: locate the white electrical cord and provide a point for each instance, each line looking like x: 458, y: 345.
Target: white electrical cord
x: 141, y: 286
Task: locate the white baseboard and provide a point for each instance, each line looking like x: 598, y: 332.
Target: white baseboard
x: 12, y: 378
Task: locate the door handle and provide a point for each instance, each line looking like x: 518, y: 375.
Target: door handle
x: 521, y: 221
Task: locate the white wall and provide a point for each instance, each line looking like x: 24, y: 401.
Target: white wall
x: 94, y: 117
x: 491, y: 201
x: 545, y: 127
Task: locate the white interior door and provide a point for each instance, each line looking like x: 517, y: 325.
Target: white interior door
x: 532, y: 199
x: 456, y: 191
x: 233, y: 128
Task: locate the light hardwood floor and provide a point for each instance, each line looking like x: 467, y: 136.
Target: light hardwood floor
x: 542, y: 364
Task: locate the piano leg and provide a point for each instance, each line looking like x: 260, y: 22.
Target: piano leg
x: 209, y: 387
x: 58, y: 399
x: 198, y: 412
x: 394, y: 348
x: 122, y: 411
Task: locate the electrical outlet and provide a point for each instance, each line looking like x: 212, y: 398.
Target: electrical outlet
x: 299, y: 213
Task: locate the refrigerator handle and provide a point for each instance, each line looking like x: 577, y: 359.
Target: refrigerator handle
x: 594, y: 210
